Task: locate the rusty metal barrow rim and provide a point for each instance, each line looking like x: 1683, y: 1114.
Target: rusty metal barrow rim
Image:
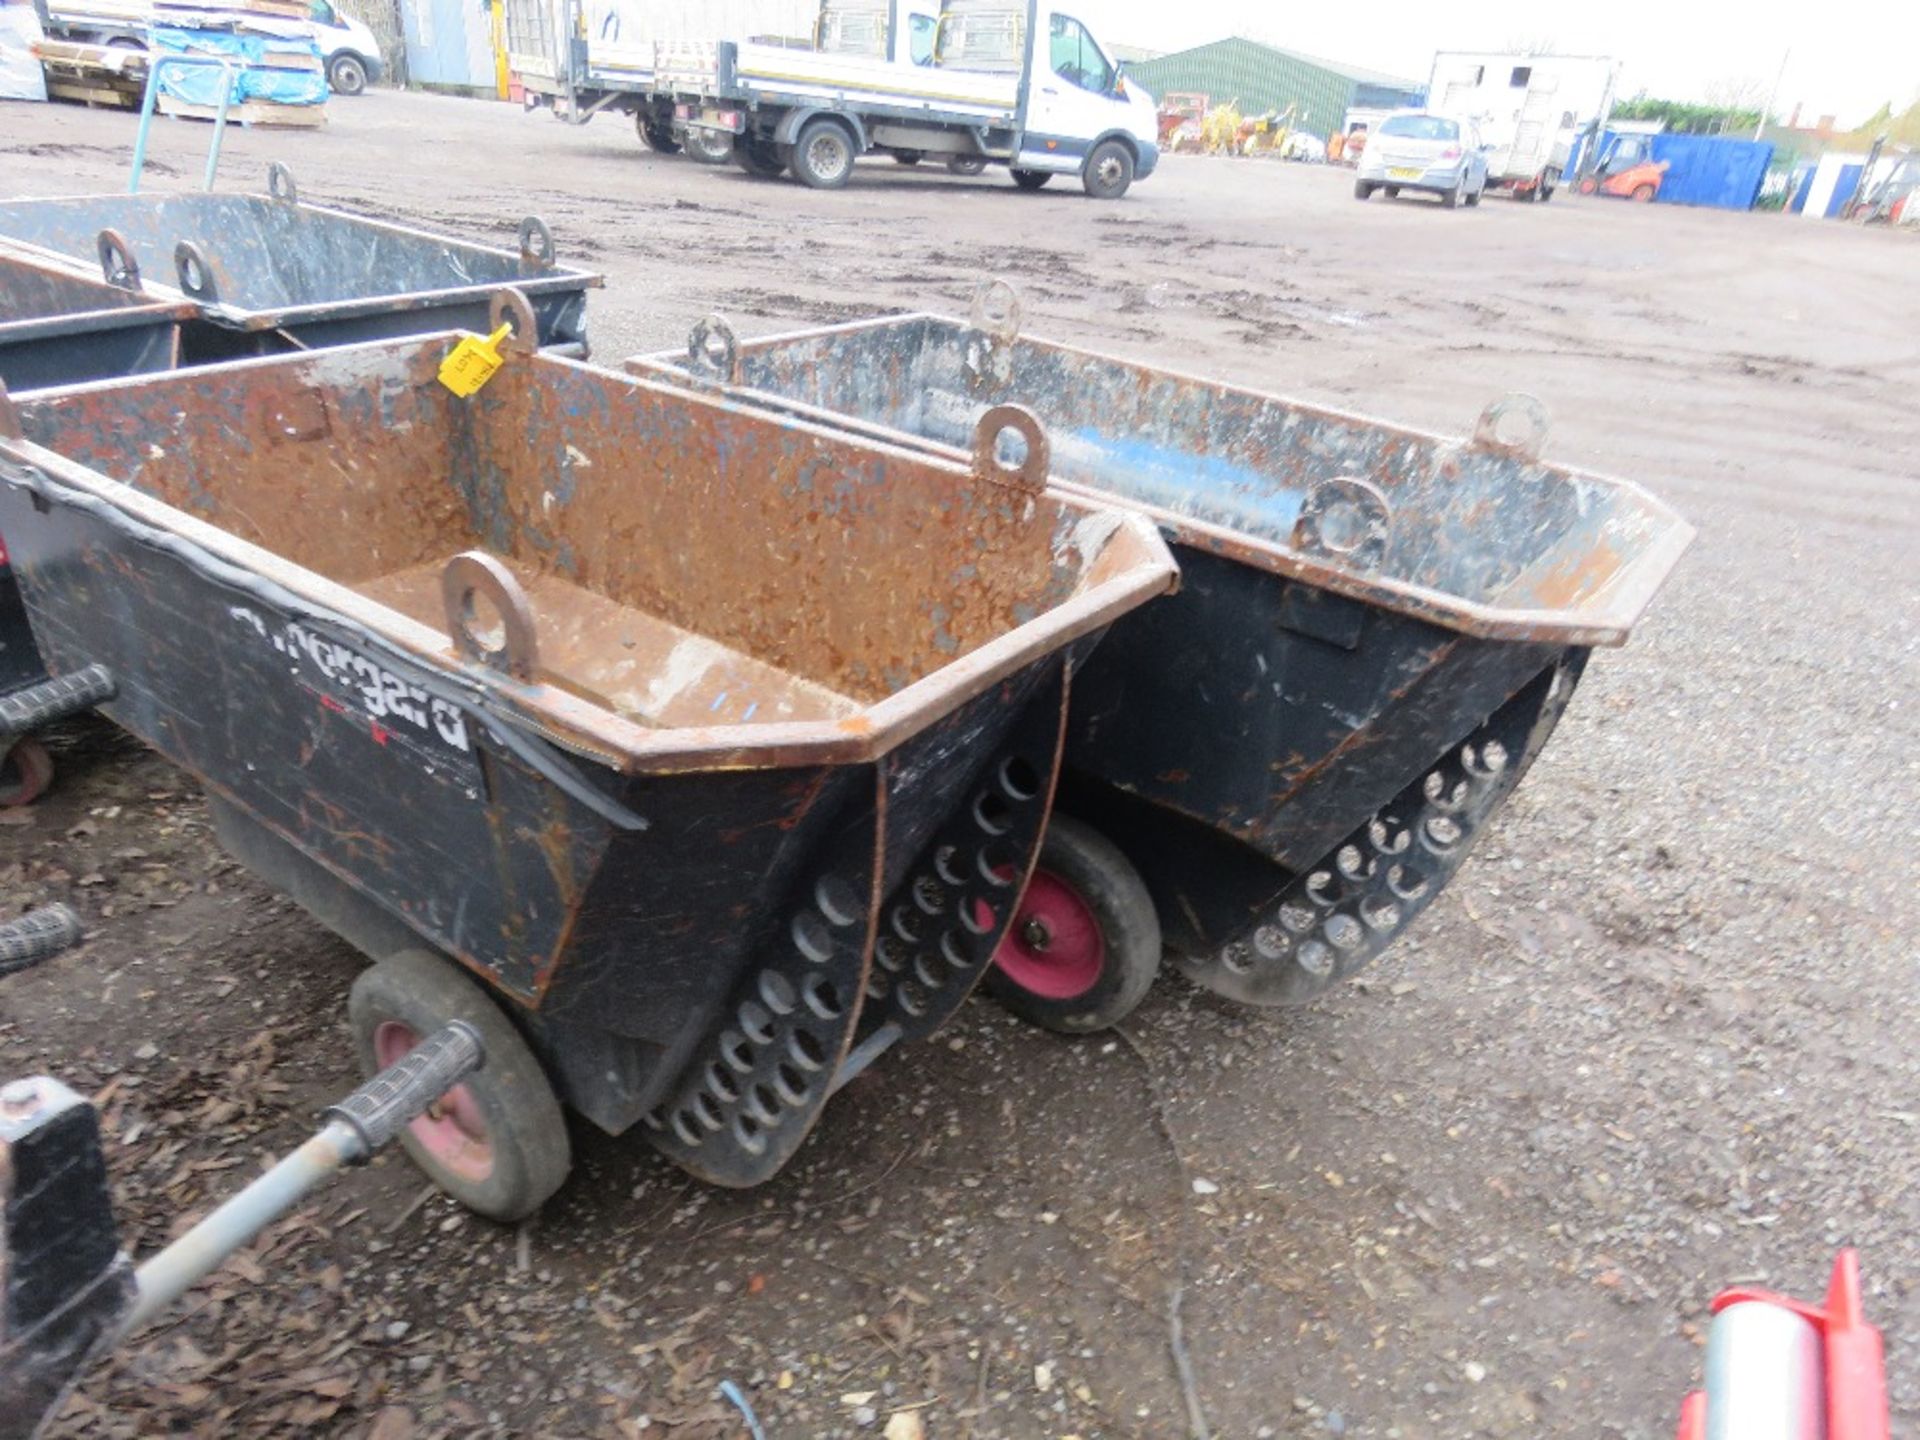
x: 550, y: 711
x: 1605, y: 617
x: 131, y: 307
x: 552, y: 277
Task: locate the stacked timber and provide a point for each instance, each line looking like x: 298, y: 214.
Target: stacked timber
x: 280, y: 79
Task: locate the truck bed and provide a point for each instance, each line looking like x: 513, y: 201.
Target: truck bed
x: 755, y: 71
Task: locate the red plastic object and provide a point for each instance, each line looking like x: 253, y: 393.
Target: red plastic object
x: 1855, y: 1358
x: 1693, y: 1417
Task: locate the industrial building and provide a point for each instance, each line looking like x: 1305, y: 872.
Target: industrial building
x: 1260, y: 77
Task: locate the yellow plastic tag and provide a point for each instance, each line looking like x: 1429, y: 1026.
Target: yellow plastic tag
x: 473, y: 361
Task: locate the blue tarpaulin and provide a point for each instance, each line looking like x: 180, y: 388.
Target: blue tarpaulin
x: 284, y: 69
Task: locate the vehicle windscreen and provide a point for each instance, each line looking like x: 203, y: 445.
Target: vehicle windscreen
x: 1420, y: 127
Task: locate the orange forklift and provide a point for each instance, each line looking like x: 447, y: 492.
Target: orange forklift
x: 1627, y: 170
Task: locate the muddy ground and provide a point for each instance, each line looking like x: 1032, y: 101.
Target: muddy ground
x: 1657, y: 1038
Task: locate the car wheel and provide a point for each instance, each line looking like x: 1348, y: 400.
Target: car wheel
x: 346, y: 75
x: 1392, y: 192
x: 1109, y: 171
x: 1474, y: 198
x: 823, y: 155
x: 1363, y: 190
x: 1451, y: 198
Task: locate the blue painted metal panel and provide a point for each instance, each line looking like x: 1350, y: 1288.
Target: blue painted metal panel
x: 1802, y: 183
x: 1703, y: 169
x: 1843, y: 190
x: 449, y: 42
x: 1712, y: 170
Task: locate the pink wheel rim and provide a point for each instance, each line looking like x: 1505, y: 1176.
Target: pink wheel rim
x: 1053, y: 948
x: 453, y: 1131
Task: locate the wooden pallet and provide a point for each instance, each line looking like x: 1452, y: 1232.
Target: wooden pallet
x: 264, y: 113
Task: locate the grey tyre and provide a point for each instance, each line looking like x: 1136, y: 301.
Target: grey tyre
x: 708, y: 147
x: 657, y: 137
x: 1083, y: 947
x: 497, y: 1142
x: 758, y: 157
x: 1109, y: 171
x: 346, y: 75
x: 1031, y: 179
x: 823, y: 155
x: 1363, y: 190
x: 966, y: 165
x: 1451, y: 198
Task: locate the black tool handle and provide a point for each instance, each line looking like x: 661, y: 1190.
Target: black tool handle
x: 32, y: 706
x: 379, y: 1108
x: 36, y: 936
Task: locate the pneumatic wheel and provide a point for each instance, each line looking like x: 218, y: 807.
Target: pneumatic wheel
x: 823, y: 155
x: 657, y: 137
x: 708, y: 147
x: 26, y: 770
x: 1084, y: 942
x: 496, y: 1142
x: 1031, y: 179
x: 1109, y: 171
x: 966, y: 165
x: 759, y: 157
x: 346, y: 75
x: 1363, y: 190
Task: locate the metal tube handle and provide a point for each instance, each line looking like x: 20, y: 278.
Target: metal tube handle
x: 33, y: 706
x: 382, y: 1107
x: 36, y: 936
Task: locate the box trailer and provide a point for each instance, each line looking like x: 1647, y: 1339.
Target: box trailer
x: 1529, y: 109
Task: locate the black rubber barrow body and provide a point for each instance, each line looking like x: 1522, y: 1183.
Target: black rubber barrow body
x: 1376, y: 628
x: 271, y: 273
x: 754, y: 686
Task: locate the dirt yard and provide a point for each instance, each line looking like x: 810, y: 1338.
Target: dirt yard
x: 1656, y: 1039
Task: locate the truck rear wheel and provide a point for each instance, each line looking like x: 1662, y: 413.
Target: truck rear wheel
x: 1031, y: 179
x: 658, y: 137
x: 823, y: 155
x: 1109, y: 171
x: 758, y: 157
x: 496, y: 1142
x: 708, y: 147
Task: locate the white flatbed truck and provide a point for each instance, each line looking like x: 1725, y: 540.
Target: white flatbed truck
x: 1019, y: 83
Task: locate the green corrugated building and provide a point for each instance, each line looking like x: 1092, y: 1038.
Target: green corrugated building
x: 1262, y: 78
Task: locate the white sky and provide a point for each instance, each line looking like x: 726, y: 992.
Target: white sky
x: 1679, y: 49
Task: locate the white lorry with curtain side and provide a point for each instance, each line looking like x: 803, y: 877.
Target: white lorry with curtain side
x: 1529, y: 109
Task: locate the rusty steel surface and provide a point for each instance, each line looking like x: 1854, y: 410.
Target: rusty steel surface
x: 61, y: 324
x: 286, y: 273
x: 1479, y: 536
x: 643, y: 705
x: 725, y: 588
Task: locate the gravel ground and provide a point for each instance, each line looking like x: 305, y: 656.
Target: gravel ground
x: 1648, y: 1044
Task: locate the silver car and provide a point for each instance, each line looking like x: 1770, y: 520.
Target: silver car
x: 1417, y: 151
